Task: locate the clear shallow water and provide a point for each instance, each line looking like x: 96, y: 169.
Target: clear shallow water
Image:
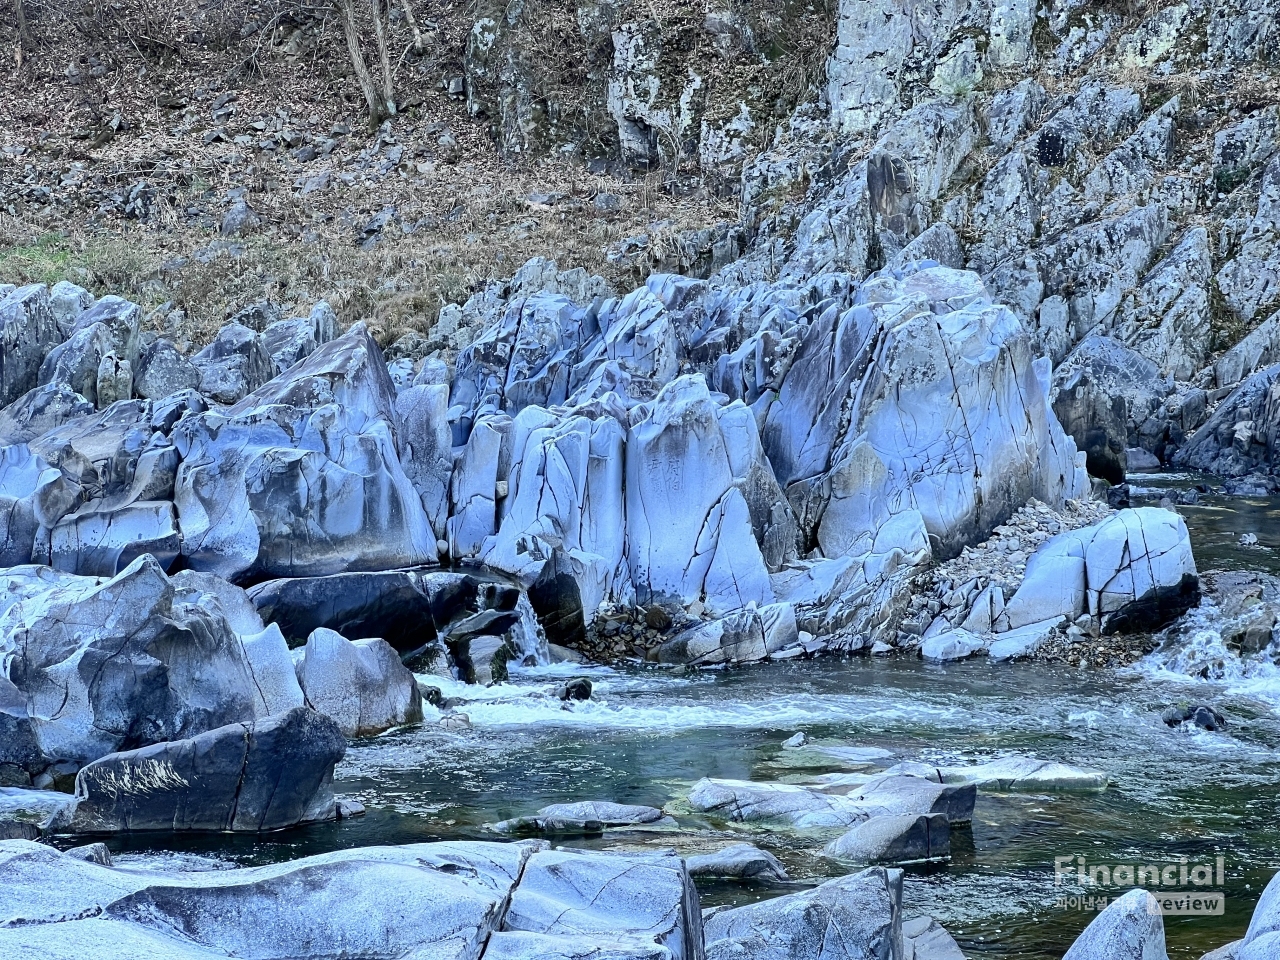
x: 648, y: 736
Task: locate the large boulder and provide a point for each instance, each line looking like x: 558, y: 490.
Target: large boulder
x: 234, y: 365
x: 302, y: 477
x: 33, y: 496
x: 1134, y: 571
x: 1130, y: 928
x: 1262, y: 939
x: 245, y: 777
x: 751, y: 634
x: 109, y: 327
x: 1241, y: 436
x: 576, y: 893
x: 440, y: 900
x: 739, y: 861
x: 362, y: 685
x: 161, y: 371
x: 40, y: 410
x: 895, y: 839
x: 117, y: 664
x: 410, y: 609
x: 858, y: 917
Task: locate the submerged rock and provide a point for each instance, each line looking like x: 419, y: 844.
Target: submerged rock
x: 739, y: 861
x: 895, y: 839
x: 584, y: 817
x: 252, y: 777
x: 1201, y: 715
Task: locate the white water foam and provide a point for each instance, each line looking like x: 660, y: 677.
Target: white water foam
x: 1193, y: 654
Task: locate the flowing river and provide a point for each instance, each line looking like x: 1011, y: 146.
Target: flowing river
x: 649, y: 735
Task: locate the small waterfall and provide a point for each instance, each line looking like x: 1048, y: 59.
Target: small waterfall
x: 1192, y: 650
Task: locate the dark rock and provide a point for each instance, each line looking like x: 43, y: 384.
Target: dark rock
x: 410, y: 609
x: 557, y: 601
x: 657, y: 618
x: 245, y: 777
x: 1156, y: 610
x: 1200, y: 714
x: 578, y: 688
x: 18, y: 830
x: 1096, y: 419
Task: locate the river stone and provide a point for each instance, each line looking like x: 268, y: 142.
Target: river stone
x: 1026, y: 774
x: 739, y: 861
x: 362, y: 685
x: 439, y: 900
x: 895, y: 839
x: 748, y: 635
x: 952, y: 645
x: 584, y: 817
x: 898, y: 795
x: 1023, y: 642
x: 1134, y: 571
x: 1262, y: 939
x: 149, y: 667
x: 252, y: 777
x: 923, y: 938
x: 864, y: 910
x: 572, y: 893
x: 743, y: 801
x: 1130, y: 928
x: 541, y: 946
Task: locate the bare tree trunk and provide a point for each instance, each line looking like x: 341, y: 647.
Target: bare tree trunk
x: 24, y: 35
x: 419, y: 44
x: 384, y: 54
x: 378, y: 109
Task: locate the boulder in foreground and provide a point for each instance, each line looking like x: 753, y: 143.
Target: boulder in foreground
x: 245, y: 777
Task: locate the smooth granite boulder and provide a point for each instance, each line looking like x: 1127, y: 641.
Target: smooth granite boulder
x: 858, y: 917
x: 362, y: 685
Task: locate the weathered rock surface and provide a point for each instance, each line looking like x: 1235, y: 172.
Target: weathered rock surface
x: 362, y: 685
x: 1130, y: 928
x: 739, y: 861
x: 1133, y: 572
x: 246, y: 777
x: 865, y: 909
x: 895, y: 839
x: 151, y: 668
x: 571, y: 893
x: 434, y: 899
x: 302, y: 477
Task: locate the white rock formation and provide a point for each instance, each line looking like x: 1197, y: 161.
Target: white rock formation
x: 361, y: 684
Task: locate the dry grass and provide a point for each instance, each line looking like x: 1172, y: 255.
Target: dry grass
x: 398, y: 285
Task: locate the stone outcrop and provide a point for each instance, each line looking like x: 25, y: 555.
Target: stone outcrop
x: 152, y: 668
x: 303, y: 476
x: 245, y: 777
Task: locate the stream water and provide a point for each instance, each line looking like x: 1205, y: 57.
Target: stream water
x: 648, y: 735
